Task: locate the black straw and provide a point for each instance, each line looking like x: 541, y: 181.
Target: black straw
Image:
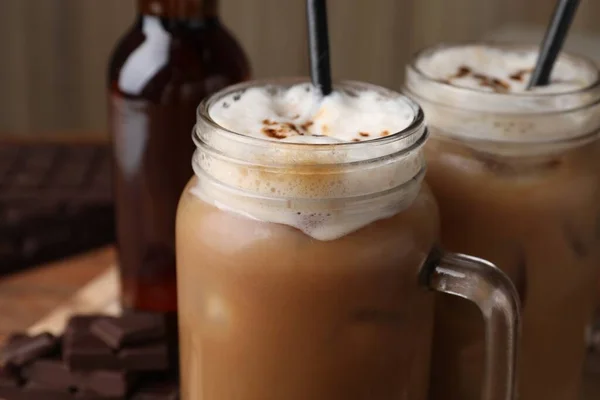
x: 318, y: 38
x: 553, y: 41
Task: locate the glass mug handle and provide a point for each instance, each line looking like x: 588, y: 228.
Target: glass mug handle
x: 495, y: 295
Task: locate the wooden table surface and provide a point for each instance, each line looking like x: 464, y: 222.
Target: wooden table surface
x: 28, y: 296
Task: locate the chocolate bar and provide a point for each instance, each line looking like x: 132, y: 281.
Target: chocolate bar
x: 83, y: 351
x: 131, y: 328
x: 166, y: 390
x: 26, y: 349
x: 108, y: 383
x: 10, y: 346
x: 87, y: 368
x: 80, y: 323
x: 51, y: 373
x: 34, y: 391
x: 8, y: 378
x: 9, y: 384
x: 55, y: 200
x: 84, y: 395
x: 153, y: 357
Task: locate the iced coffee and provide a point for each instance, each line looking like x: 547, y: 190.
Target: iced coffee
x: 305, y: 250
x: 516, y: 174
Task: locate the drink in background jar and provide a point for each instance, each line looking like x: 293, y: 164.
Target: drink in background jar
x: 516, y: 174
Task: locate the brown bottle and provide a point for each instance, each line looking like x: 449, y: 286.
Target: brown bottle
x: 176, y: 53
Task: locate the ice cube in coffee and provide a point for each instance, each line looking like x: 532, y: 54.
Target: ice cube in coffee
x: 516, y: 175
x: 304, y: 248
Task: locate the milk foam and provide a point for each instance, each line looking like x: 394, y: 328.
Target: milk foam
x: 299, y: 115
x: 490, y: 69
x: 325, y: 190
x: 479, y: 92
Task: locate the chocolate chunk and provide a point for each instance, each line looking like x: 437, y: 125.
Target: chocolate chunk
x: 85, y: 395
x: 500, y: 85
x: 84, y: 352
x: 273, y: 133
x: 463, y: 71
x: 306, y: 126
x: 516, y: 77
x: 14, y: 339
x: 50, y: 373
x: 34, y: 391
x: 165, y: 390
x: 292, y: 127
x: 11, y: 393
x: 153, y: 357
x: 10, y: 346
x: 10, y: 384
x: 108, y: 383
x: 8, y: 379
x: 81, y: 323
x: 520, y: 74
x: 129, y: 329
x: 89, y: 368
x: 24, y: 350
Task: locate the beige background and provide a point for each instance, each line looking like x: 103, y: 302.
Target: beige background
x: 53, y: 53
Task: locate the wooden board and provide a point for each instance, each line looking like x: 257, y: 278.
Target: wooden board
x: 101, y: 296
